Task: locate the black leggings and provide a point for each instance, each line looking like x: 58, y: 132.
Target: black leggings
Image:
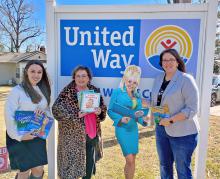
x: 90, y: 157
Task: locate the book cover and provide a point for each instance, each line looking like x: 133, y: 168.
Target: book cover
x: 80, y: 93
x: 160, y: 112
x: 89, y: 101
x: 38, y: 125
x: 133, y: 113
x: 3, y: 159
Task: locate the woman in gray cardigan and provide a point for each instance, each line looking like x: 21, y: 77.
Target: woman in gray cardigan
x: 176, y: 135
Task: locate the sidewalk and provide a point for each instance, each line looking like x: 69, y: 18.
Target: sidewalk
x: 215, y: 111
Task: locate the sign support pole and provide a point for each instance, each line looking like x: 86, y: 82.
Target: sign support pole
x: 51, y: 50
x: 205, y: 90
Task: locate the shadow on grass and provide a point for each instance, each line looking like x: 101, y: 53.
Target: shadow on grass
x: 110, y: 142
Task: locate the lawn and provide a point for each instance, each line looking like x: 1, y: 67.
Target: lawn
x: 147, y: 166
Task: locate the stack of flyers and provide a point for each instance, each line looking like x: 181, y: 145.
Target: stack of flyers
x: 38, y: 125
x: 160, y: 112
x: 88, y: 100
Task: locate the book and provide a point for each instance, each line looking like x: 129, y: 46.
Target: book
x: 160, y: 112
x: 38, y: 125
x: 89, y: 101
x: 132, y: 113
x: 79, y: 95
x: 4, y: 164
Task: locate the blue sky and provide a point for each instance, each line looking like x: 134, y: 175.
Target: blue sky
x: 40, y: 10
x: 39, y: 5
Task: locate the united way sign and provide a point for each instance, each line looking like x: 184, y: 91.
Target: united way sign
x: 109, y: 38
x: 108, y: 46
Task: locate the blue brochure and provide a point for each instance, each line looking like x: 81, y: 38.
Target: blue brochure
x: 38, y: 125
x: 133, y: 113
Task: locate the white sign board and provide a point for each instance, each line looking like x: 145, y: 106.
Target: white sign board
x: 109, y: 38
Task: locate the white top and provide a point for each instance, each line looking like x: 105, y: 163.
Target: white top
x: 18, y: 100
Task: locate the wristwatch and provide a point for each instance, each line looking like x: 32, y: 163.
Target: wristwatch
x: 171, y: 121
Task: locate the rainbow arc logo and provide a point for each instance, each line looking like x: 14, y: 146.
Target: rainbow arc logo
x: 164, y: 37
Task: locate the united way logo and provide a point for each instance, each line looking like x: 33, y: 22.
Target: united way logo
x: 166, y: 37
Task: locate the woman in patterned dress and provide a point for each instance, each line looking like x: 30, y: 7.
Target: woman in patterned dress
x: 75, y: 147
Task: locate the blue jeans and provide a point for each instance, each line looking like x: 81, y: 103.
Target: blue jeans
x: 178, y: 149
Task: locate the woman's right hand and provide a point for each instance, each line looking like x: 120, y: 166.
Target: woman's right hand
x: 125, y: 120
x: 28, y: 136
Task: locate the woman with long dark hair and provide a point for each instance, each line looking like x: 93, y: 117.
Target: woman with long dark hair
x: 177, y: 134
x: 27, y: 153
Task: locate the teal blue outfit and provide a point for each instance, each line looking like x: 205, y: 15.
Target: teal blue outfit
x: 126, y: 134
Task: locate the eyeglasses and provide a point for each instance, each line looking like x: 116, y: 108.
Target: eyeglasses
x: 81, y: 76
x: 169, y: 61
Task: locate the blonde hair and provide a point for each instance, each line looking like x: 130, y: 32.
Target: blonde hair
x: 131, y: 71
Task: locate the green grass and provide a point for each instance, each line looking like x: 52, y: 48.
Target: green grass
x: 147, y: 165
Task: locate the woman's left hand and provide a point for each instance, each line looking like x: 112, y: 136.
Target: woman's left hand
x: 164, y: 122
x: 98, y: 111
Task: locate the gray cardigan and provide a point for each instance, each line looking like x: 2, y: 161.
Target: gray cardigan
x: 181, y: 95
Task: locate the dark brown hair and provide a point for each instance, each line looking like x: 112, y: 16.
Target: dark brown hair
x: 173, y: 52
x: 43, y: 84
x: 78, y: 68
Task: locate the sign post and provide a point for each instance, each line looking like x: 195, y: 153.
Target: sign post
x: 51, y: 68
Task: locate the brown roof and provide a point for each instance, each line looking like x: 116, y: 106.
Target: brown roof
x: 10, y: 57
x: 7, y: 57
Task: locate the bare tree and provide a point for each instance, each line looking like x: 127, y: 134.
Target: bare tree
x: 16, y: 23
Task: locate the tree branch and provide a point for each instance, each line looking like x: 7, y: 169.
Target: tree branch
x: 17, y: 22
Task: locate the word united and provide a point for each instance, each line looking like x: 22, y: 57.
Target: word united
x: 103, y: 40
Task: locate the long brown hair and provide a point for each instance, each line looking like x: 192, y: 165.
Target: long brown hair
x: 181, y: 64
x: 43, y: 84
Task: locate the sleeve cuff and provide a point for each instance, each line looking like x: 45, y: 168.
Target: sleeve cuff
x: 142, y: 122
x: 188, y: 113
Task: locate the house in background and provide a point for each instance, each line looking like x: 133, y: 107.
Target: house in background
x: 12, y: 65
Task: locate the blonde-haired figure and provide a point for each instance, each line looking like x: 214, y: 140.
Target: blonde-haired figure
x: 126, y: 129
